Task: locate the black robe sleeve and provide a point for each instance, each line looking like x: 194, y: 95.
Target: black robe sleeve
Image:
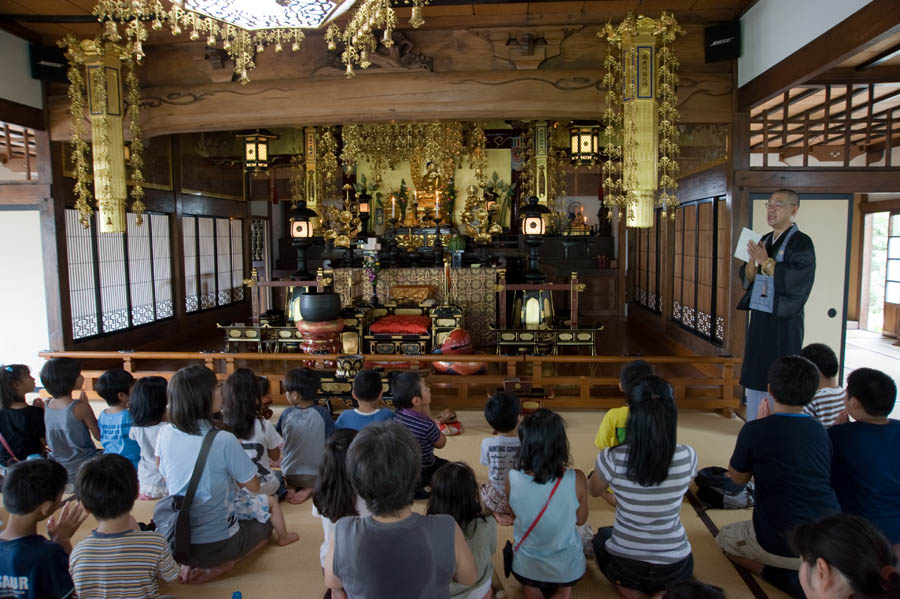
x: 795, y: 276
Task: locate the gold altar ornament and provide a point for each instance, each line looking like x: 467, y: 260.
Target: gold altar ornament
x: 641, y: 117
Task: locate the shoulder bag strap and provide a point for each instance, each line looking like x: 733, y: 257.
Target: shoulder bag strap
x: 198, y: 469
x: 543, y: 509
x: 7, y: 448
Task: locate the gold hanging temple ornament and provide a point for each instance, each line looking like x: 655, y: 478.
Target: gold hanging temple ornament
x: 95, y: 77
x: 641, y: 117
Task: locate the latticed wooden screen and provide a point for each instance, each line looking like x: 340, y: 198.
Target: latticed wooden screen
x: 646, y: 290
x: 702, y: 252
x: 118, y: 280
x: 213, y: 261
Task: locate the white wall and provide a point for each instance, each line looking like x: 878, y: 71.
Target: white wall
x: 772, y: 30
x: 23, y: 306
x: 16, y: 83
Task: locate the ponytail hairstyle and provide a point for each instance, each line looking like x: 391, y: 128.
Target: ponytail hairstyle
x: 856, y: 549
x: 454, y: 491
x: 241, y: 402
x: 652, y: 420
x: 333, y: 494
x: 544, y: 446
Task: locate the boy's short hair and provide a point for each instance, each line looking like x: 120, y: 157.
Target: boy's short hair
x: 874, y: 390
x: 502, y: 411
x: 633, y: 372
x: 793, y: 380
x: 304, y: 381
x: 367, y: 385
x: 107, y: 486
x: 30, y: 483
x: 58, y: 376
x: 111, y: 383
x: 404, y: 387
x: 823, y: 357
x: 383, y: 464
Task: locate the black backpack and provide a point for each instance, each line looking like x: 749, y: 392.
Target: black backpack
x: 717, y: 491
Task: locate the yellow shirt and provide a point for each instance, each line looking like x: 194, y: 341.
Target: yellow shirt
x: 612, y: 429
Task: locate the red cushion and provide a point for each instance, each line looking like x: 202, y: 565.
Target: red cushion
x: 401, y: 325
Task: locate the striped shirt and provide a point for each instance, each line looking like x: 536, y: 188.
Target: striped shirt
x: 423, y: 429
x: 648, y: 527
x: 827, y: 405
x: 121, y: 565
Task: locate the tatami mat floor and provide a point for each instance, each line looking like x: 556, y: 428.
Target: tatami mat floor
x: 294, y: 571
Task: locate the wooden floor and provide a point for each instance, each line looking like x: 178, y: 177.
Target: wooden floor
x: 294, y: 571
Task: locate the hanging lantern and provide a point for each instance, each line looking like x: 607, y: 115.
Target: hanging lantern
x: 105, y: 109
x: 584, y: 144
x: 641, y: 117
x: 256, y: 151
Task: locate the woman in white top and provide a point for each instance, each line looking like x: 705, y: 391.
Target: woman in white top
x: 647, y: 548
x: 218, y: 537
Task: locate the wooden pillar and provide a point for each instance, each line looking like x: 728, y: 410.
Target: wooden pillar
x: 177, y: 232
x: 53, y: 244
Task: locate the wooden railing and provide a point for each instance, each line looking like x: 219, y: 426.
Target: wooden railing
x: 592, y: 388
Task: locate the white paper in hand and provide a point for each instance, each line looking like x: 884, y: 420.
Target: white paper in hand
x: 747, y: 236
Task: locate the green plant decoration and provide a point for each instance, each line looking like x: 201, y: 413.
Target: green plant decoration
x: 505, y: 193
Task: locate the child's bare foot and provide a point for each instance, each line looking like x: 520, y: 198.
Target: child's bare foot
x: 201, y: 575
x: 184, y: 575
x: 504, y: 519
x: 287, y: 539
x: 298, y: 496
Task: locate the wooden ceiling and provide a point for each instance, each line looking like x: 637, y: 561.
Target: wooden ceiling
x: 52, y: 19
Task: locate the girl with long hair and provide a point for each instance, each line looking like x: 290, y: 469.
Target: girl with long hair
x: 646, y: 549
x: 549, y: 560
x: 454, y: 491
x: 241, y: 410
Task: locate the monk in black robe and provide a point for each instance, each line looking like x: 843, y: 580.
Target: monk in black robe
x: 779, y: 333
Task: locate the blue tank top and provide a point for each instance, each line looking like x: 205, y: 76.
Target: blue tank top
x: 553, y: 551
x: 68, y: 438
x: 114, y: 429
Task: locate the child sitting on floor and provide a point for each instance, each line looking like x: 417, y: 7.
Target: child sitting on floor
x: 413, y: 398
x: 304, y: 426
x: 788, y: 454
x: 241, y: 414
x: 367, y: 392
x: 30, y: 565
x: 117, y: 559
x: 333, y: 495
x: 115, y: 422
x: 612, y: 428
x: 21, y: 425
x: 549, y: 500
x: 394, y: 552
x: 499, y: 453
x: 828, y: 403
x: 865, y: 472
x: 69, y: 423
x: 454, y: 491
x: 148, y: 412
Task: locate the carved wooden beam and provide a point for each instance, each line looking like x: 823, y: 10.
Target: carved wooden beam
x: 414, y: 96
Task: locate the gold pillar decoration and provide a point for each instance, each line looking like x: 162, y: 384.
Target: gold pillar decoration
x: 312, y: 181
x: 105, y: 110
x: 541, y: 150
x: 640, y: 124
